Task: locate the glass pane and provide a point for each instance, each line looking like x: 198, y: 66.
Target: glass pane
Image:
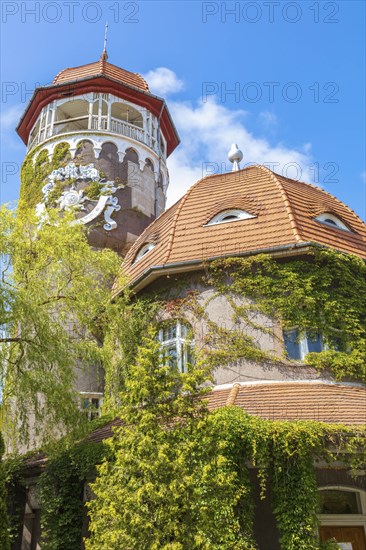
x: 184, y: 331
x: 315, y: 343
x: 169, y: 333
x: 170, y: 356
x: 339, y: 502
x: 291, y: 345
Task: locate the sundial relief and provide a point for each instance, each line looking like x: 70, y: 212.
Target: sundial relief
x: 84, y: 190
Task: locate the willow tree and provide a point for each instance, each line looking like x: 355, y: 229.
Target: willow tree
x: 54, y: 289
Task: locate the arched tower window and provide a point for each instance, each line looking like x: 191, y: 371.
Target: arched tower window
x: 72, y: 116
x: 125, y: 113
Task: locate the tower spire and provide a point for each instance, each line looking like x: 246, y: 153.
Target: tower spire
x: 104, y: 55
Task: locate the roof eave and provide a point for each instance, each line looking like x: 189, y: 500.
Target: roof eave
x: 153, y: 273
x: 90, y: 78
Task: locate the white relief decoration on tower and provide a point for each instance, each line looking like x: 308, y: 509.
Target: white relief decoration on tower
x: 76, y: 199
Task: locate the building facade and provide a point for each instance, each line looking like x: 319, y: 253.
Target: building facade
x: 103, y: 140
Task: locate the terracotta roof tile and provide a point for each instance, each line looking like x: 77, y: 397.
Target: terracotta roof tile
x: 285, y: 210
x: 318, y: 401
x: 334, y: 403
x: 99, y: 68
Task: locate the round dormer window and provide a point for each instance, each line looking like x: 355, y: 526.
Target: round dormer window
x: 145, y: 249
x: 230, y: 216
x: 332, y: 221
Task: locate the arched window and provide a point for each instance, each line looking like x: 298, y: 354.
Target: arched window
x: 337, y: 501
x: 343, y: 516
x: 230, y: 216
x: 331, y: 220
x: 126, y: 113
x: 177, y: 344
x: 72, y: 116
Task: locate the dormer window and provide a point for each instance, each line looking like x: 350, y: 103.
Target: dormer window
x: 143, y: 251
x: 230, y: 216
x: 332, y: 221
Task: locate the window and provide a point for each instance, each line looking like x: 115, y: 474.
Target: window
x: 334, y: 501
x: 230, y: 216
x: 298, y: 346
x: 143, y: 251
x: 332, y: 221
x: 177, y: 345
x: 91, y: 404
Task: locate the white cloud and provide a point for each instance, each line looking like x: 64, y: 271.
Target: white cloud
x: 163, y: 81
x: 207, y: 131
x: 268, y: 119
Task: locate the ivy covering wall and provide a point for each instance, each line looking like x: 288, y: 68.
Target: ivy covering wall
x: 176, y: 476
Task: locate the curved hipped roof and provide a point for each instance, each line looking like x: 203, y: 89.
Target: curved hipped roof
x: 99, y: 77
x: 282, y: 221
x: 99, y: 68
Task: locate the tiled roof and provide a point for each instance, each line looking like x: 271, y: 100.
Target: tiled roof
x: 319, y: 401
x: 334, y: 403
x: 99, y: 68
x: 284, y: 213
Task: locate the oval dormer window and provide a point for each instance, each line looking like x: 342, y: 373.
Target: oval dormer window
x: 332, y: 221
x: 230, y: 216
x: 143, y: 251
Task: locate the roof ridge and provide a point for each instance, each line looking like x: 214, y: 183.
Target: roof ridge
x: 286, y: 200
x: 233, y: 394
x: 327, y: 193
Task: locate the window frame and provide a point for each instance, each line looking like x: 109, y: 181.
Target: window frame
x: 183, y: 344
x: 91, y: 413
x: 348, y: 520
x: 302, y: 341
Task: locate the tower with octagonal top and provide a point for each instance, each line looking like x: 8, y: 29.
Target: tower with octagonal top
x: 97, y: 142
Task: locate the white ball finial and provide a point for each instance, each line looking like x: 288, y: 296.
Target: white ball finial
x: 235, y: 156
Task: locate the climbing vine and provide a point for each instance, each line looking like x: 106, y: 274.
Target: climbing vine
x: 4, y: 519
x: 60, y: 490
x: 35, y: 169
x: 323, y: 293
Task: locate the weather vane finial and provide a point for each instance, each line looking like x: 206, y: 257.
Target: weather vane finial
x: 104, y: 55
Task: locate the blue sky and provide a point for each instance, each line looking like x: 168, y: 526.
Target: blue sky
x: 295, y: 70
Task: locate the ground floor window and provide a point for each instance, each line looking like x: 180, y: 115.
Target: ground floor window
x: 343, y: 517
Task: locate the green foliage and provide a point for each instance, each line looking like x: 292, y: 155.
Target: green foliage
x: 93, y: 190
x: 35, y: 169
x: 14, y: 485
x: 4, y: 519
x: 61, y: 155
x: 128, y: 320
x: 167, y: 483
x: 60, y: 490
x: 54, y: 286
x: 33, y: 174
x: 284, y: 454
x: 324, y: 293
